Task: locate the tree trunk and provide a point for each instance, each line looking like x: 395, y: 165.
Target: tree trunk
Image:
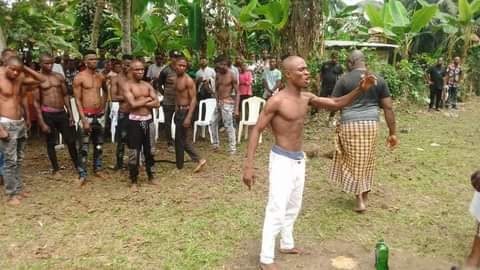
x: 97, y: 21
x: 127, y: 26
x: 3, y: 42
x: 303, y: 33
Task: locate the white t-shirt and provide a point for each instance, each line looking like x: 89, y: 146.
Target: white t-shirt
x: 58, y: 68
x: 153, y: 71
x: 272, y: 76
x: 207, y: 73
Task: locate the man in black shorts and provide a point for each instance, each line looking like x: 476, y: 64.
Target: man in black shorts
x: 51, y: 99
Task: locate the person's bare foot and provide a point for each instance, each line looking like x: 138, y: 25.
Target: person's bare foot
x: 134, y: 188
x: 200, y: 165
x: 365, y: 197
x: 101, y: 175
x: 270, y: 266
x: 360, y: 205
x: 294, y: 250
x: 81, y: 182
x: 152, y: 181
x: 14, y: 201
x: 24, y: 194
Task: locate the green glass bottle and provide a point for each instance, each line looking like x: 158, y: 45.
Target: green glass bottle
x: 381, y: 256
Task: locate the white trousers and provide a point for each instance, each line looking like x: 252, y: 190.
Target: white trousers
x: 287, y: 178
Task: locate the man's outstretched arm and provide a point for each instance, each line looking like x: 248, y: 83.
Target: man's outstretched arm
x: 336, y: 103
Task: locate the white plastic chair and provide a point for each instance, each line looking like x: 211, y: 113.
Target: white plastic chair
x: 210, y: 106
x: 76, y: 115
x: 172, y: 126
x: 114, y: 117
x: 158, y: 117
x: 255, y: 106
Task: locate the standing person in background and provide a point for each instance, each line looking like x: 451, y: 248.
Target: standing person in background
x: 227, y: 104
x: 70, y: 72
x: 166, y: 86
x: 13, y: 123
x: 186, y: 103
x: 272, y: 78
x: 436, y: 80
x: 329, y: 73
x: 90, y: 92
x: 354, y: 159
x: 6, y: 53
x: 454, y: 78
x: 155, y: 69
x: 118, y: 84
x: 205, y: 80
x: 101, y: 62
x: 141, y: 99
x: 244, y: 84
x: 51, y: 99
x: 57, y: 66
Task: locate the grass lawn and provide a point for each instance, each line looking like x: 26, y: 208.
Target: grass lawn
x: 210, y: 221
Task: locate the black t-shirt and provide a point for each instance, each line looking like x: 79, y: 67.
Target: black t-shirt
x: 167, y: 79
x: 330, y: 73
x: 436, y: 76
x: 364, y: 107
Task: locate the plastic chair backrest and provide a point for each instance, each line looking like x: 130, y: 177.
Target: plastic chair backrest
x: 115, y: 106
x: 76, y: 115
x: 208, y: 106
x: 255, y: 106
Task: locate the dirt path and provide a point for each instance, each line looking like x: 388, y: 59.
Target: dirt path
x: 337, y: 255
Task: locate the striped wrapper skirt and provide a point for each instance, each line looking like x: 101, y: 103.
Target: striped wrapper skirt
x: 354, y: 157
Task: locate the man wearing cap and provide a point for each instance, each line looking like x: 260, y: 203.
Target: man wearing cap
x: 166, y: 86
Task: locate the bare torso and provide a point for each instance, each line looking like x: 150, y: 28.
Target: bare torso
x: 53, y: 91
x: 224, y: 85
x: 288, y: 121
x: 118, y: 84
x: 10, y: 96
x: 139, y: 90
x: 182, y: 87
x: 92, y: 97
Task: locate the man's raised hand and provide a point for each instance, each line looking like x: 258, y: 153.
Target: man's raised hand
x: 368, y: 80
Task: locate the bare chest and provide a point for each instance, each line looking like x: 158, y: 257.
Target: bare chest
x: 141, y: 91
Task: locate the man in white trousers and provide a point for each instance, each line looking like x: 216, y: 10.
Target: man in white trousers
x: 285, y: 112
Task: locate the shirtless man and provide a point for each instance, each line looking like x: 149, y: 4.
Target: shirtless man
x: 6, y: 53
x: 50, y: 101
x: 14, y: 75
x: 186, y: 100
x: 141, y: 98
x: 228, y: 103
x: 118, y: 83
x: 285, y: 112
x: 91, y: 95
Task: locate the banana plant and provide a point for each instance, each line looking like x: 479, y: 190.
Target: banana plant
x: 400, y: 25
x: 270, y: 18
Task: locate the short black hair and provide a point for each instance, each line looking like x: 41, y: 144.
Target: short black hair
x: 221, y: 58
x: 46, y: 55
x: 6, y: 50
x: 13, y: 60
x: 475, y: 179
x: 88, y: 52
x: 127, y: 57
